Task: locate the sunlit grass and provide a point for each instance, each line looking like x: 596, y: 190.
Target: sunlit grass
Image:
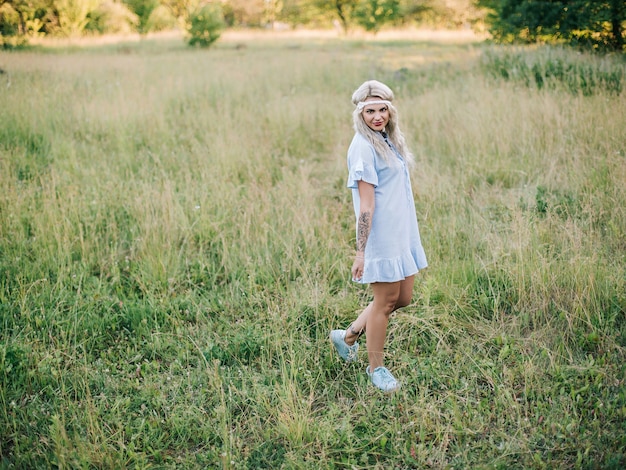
x: 175, y: 240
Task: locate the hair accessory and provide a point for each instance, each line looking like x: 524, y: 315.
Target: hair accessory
x: 362, y: 104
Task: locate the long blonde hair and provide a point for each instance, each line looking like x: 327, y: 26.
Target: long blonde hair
x: 376, y: 89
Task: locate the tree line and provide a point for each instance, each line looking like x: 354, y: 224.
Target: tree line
x: 593, y: 23
x: 31, y: 18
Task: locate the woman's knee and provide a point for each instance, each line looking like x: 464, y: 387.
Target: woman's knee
x: 390, y: 297
x: 386, y: 302
x: 403, y: 300
x: 405, y: 295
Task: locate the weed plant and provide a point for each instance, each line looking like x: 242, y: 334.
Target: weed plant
x: 176, y: 238
x: 575, y: 72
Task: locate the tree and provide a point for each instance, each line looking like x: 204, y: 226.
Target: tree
x: 342, y: 8
x: 73, y: 15
x: 112, y: 17
x: 21, y: 20
x: 413, y: 10
x: 271, y: 11
x: 205, y: 25
x: 182, y: 9
x: 618, y: 18
x: 244, y: 12
x: 298, y: 12
x: 373, y: 14
x: 594, y: 23
x: 445, y: 13
x: 143, y: 9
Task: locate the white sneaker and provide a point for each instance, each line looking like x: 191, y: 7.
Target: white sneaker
x: 382, y: 378
x: 347, y: 353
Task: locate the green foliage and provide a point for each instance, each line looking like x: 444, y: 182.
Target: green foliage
x: 143, y: 9
x: 9, y: 20
x: 112, y: 17
x: 205, y: 25
x: 374, y: 14
x: 21, y: 20
x: 556, y: 68
x: 299, y: 12
x: 340, y: 9
x: 73, y: 15
x: 451, y: 14
x: 599, y: 25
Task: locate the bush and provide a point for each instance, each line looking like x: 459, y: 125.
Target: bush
x: 160, y: 19
x: 112, y: 17
x: 205, y: 25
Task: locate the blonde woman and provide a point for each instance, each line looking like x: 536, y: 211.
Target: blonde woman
x: 389, y: 250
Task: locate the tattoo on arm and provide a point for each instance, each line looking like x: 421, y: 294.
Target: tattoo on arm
x: 363, y: 230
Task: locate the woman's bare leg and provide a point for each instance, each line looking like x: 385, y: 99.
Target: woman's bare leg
x: 388, y: 297
x: 357, y: 328
x: 385, y: 299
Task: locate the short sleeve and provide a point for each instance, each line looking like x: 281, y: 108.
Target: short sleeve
x: 361, y: 163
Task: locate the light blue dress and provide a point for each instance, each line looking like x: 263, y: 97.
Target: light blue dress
x: 394, y: 248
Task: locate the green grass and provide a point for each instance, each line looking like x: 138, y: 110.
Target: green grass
x: 175, y: 240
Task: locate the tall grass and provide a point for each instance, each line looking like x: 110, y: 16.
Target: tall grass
x: 175, y: 239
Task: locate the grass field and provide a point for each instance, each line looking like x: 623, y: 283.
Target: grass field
x: 176, y: 239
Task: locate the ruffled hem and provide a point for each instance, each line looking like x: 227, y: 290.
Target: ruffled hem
x: 391, y: 270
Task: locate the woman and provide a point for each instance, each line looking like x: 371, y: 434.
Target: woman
x: 389, y: 251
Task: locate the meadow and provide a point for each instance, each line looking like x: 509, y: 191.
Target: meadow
x: 176, y: 239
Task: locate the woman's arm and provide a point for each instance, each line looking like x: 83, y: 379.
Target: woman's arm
x: 364, y: 225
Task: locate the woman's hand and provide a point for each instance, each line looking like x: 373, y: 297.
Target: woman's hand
x: 357, y: 268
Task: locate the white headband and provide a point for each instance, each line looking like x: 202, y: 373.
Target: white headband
x: 362, y: 104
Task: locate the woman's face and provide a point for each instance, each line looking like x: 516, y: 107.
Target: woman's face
x: 376, y: 116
